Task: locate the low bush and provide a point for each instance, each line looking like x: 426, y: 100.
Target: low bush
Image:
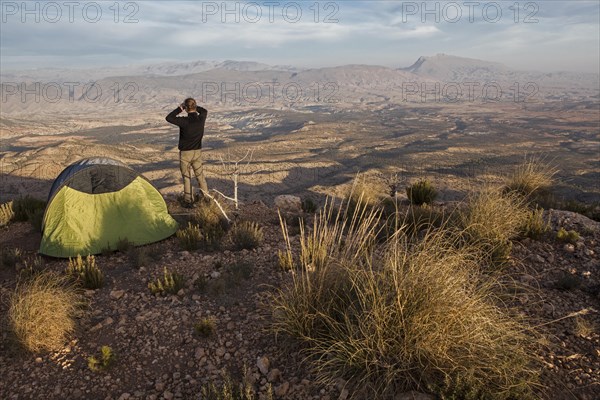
x: 405, y: 315
x: 86, y: 272
x: 6, y: 213
x: 27, y: 206
x: 309, y: 206
x: 105, y: 360
x: 489, y: 220
x: 567, y: 236
x: 10, y: 256
x: 421, y: 192
x: 205, y: 328
x: 42, y: 311
x: 532, y: 178
x: 246, y: 235
x: 212, y: 223
x: 230, y: 390
x: 36, y: 219
x: 534, y: 226
x: 171, y: 283
x: 190, y: 237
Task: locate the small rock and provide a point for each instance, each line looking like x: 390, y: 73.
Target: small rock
x: 116, y: 294
x: 159, y: 386
x: 263, y: 364
x: 274, y: 375
x: 199, y: 353
x: 569, y: 248
x: 167, y: 395
x: 282, y: 389
x: 38, y: 360
x: 215, y: 274
x: 589, y: 252
x: 289, y: 204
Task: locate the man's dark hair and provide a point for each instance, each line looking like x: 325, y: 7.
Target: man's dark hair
x: 190, y: 105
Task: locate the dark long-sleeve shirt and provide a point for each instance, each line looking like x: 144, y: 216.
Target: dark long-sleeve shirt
x: 191, y: 128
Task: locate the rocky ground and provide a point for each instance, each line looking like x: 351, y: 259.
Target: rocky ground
x: 161, y: 356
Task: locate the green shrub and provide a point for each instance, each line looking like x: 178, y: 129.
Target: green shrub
x: 400, y: 316
x: 171, y: 283
x: 567, y: 236
x: 42, y: 311
x: 246, y: 235
x: 25, y: 207
x: 107, y: 358
x: 6, y: 213
x: 421, y: 192
x: 532, y: 178
x: 86, y: 272
x: 534, y: 226
x: 190, y: 237
x: 205, y: 327
x: 309, y: 206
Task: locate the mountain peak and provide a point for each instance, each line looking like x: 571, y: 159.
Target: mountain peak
x: 446, y: 67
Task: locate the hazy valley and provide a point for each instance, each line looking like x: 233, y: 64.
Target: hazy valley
x: 451, y: 119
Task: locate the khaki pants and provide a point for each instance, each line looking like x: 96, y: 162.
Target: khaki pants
x: 191, y: 160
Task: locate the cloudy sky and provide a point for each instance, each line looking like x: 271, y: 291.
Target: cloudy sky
x: 537, y: 35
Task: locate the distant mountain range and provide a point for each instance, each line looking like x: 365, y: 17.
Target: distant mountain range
x: 242, y: 84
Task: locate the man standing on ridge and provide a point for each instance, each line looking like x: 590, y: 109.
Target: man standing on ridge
x: 191, y: 131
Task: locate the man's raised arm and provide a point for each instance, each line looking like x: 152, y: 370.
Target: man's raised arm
x: 172, y: 117
x: 201, y: 111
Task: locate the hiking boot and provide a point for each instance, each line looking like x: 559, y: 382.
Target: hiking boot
x: 187, y: 204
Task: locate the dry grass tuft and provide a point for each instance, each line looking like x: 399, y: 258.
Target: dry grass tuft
x: 42, y: 310
x: 490, y: 219
x: 409, y: 314
x: 6, y: 213
x: 246, y: 235
x: 534, y: 177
